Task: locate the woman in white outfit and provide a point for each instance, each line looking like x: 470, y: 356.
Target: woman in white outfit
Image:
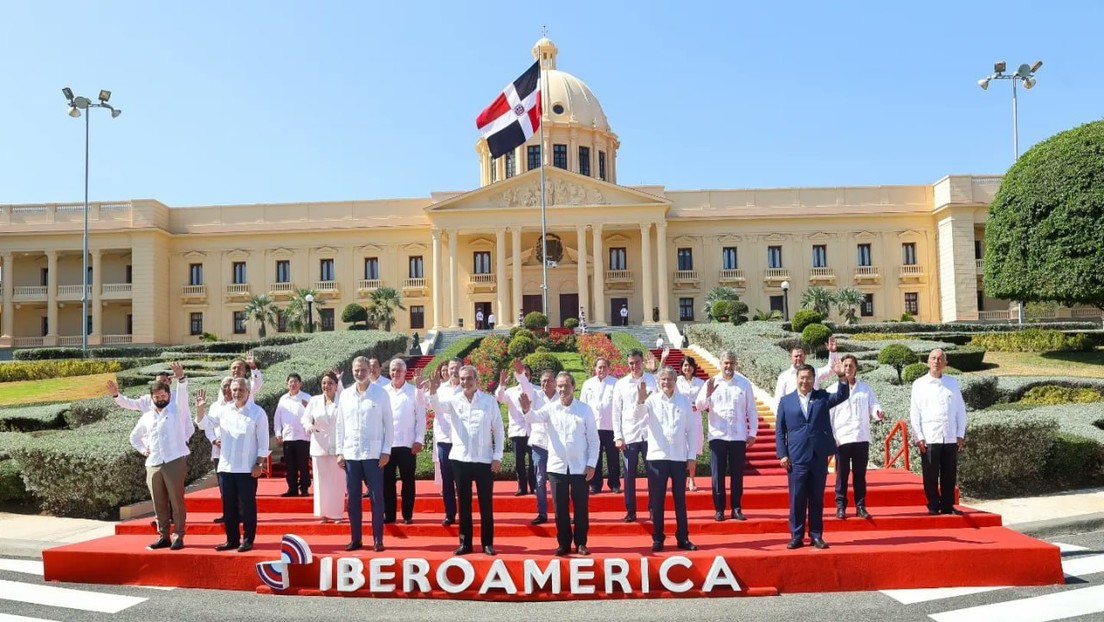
x: 320, y: 421
x: 689, y: 385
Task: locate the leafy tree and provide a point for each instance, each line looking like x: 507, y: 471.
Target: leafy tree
x: 296, y: 311
x: 897, y: 356
x: 847, y: 300
x: 1043, y: 234
x: 354, y: 314
x: 382, y: 305
x: 803, y: 318
x: 734, y: 311
x: 715, y: 294
x: 818, y: 299
x: 263, y: 311
x: 815, y: 336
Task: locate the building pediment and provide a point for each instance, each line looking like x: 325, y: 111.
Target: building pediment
x: 562, y: 189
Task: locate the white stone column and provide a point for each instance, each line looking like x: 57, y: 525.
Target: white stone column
x: 501, y: 309
x: 438, y: 280
x: 8, y: 319
x: 598, y: 316
x: 95, y: 308
x: 515, y: 281
x: 584, y: 291
x: 664, y: 293
x: 646, y: 276
x: 454, y: 278
x: 51, y: 297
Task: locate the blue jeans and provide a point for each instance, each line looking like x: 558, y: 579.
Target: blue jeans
x: 369, y: 472
x: 540, y: 469
x: 634, y: 453
x: 448, y: 482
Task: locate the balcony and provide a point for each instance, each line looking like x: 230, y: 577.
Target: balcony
x: 28, y: 342
x: 326, y: 289
x: 414, y: 287
x: 30, y: 292
x: 822, y: 275
x: 482, y: 283
x: 687, y: 277
x: 238, y: 290
x: 195, y: 293
x: 281, y: 290
x: 619, y: 279
x: 869, y: 274
x: 115, y: 290
x: 775, y: 275
x: 980, y: 266
x: 72, y: 292
x: 733, y: 277
x: 70, y: 340
x: 1002, y: 314
x: 911, y: 273
x: 368, y: 285
x: 117, y: 339
x: 1086, y: 312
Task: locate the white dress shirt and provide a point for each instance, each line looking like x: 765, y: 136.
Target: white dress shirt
x: 691, y: 388
x: 573, y: 442
x: 598, y: 394
x: 518, y: 426
x: 442, y: 430
x: 787, y: 380
x: 162, y: 435
x: 668, y: 421
x: 408, y: 414
x: 733, y: 415
x: 477, y: 430
x: 321, y: 419
x: 851, y: 419
x: 538, y: 435
x: 365, y: 429
x: 626, y: 426
x: 937, y: 411
x: 244, y: 435
x: 288, y: 420
x: 212, y: 434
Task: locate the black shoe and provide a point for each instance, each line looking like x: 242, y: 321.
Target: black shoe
x: 738, y: 515
x: 561, y: 551
x: 245, y: 546
x: 227, y: 546
x: 718, y: 516
x: 687, y: 546
x: 582, y: 550
x: 841, y: 513
x: 162, y: 543
x: 448, y: 521
x: 353, y: 546
x: 489, y: 550
x: 955, y: 512
x: 290, y: 493
x: 377, y: 547
x: 657, y: 547
x: 304, y: 493
x: 820, y: 543
x: 629, y: 518
x: 408, y: 521
x: 220, y: 520
x: 177, y: 544
x: 861, y: 512
x: 462, y: 550
x: 540, y: 520
x: 520, y: 493
x: 795, y: 544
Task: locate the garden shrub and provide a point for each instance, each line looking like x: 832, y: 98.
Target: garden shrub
x: 32, y: 418
x: 963, y: 327
x: 535, y: 320
x: 1033, y: 340
x: 1054, y: 394
x: 897, y: 356
x: 995, y: 459
x: 458, y: 349
x: 99, y: 352
x: 522, y: 345
x: 540, y: 361
x: 803, y: 318
x: 913, y: 371
x: 879, y: 336
x: 1074, y: 460
x: 571, y: 322
x: 965, y: 358
x: 815, y: 336
x: 40, y: 370
x: 12, y: 489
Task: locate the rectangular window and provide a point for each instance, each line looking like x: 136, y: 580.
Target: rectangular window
x: 417, y: 269
x: 239, y: 322
x: 728, y: 258
x: 417, y: 316
x: 867, y: 308
x: 978, y: 253
x: 326, y: 270
x: 776, y: 303
x: 494, y: 171
x: 559, y: 156
x: 820, y: 256
x: 196, y: 322
x: 482, y: 262
x: 45, y: 326
x: 864, y: 255
x: 912, y: 303
x: 908, y: 254
x: 371, y: 268
x: 129, y: 324
x: 239, y: 274
x: 326, y: 319
x: 281, y: 322
x: 88, y: 324
x: 283, y: 271
x: 534, y: 155
x: 511, y: 164
x: 602, y: 165
x: 129, y: 278
x: 774, y: 256
x: 686, y: 309
x: 617, y: 259
x: 44, y: 277
x: 685, y: 259
x: 195, y: 274
x: 584, y: 161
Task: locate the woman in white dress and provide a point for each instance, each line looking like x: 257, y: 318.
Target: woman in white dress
x: 689, y: 386
x: 320, y: 421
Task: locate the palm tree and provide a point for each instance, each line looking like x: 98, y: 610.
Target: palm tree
x: 382, y: 305
x: 767, y: 316
x: 263, y: 311
x: 818, y: 299
x: 847, y: 299
x: 715, y: 294
x: 296, y: 311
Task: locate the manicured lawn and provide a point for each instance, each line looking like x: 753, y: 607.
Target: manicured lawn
x: 1046, y: 364
x: 54, y: 390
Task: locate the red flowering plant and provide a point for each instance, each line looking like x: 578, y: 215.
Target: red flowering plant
x: 489, y: 359
x: 593, y: 346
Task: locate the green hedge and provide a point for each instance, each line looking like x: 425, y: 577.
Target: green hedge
x: 1075, y: 461
x: 458, y: 349
x: 101, y: 352
x: 626, y: 341
x: 1034, y: 340
x: 965, y: 358
x: 32, y: 418
x: 1055, y: 394
x: 12, y: 489
x: 15, y: 371
x: 1005, y: 453
x: 925, y: 327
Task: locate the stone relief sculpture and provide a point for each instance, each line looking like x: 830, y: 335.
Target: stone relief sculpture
x: 557, y: 192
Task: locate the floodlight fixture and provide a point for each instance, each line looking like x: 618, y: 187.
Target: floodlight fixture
x: 104, y: 96
x: 984, y: 83
x: 68, y: 93
x: 999, y: 66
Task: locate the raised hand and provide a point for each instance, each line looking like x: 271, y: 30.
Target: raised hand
x: 641, y: 393
x: 524, y: 402
x: 503, y: 377
x: 519, y: 366
x: 832, y: 343
x: 649, y: 361
x: 178, y: 370
x: 112, y: 388
x: 201, y: 399
x: 710, y: 386
x: 337, y: 372
x: 250, y: 361
x: 664, y: 355
x: 434, y: 382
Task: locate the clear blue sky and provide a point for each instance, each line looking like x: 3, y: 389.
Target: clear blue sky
x: 248, y: 102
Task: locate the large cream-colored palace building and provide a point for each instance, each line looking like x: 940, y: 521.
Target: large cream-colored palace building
x: 161, y: 274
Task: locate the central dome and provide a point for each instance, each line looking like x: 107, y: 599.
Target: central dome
x: 569, y: 99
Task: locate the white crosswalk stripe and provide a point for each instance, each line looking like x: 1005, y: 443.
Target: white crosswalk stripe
x: 6, y: 617
x: 32, y: 590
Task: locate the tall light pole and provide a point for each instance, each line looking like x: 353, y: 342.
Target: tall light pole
x: 310, y: 312
x: 786, y: 301
x: 1024, y: 73
x: 76, y: 104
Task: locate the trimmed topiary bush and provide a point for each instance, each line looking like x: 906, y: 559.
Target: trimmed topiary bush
x: 815, y: 336
x: 1052, y: 394
x: 535, y: 320
x: 571, y: 322
x: 803, y: 318
x: 540, y: 361
x: 913, y: 372
x: 897, y: 356
x: 1033, y: 340
x: 522, y: 345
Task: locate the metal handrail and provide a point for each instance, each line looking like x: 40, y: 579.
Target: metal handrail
x: 901, y: 425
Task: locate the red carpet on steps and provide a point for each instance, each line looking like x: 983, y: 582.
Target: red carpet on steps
x: 895, y: 549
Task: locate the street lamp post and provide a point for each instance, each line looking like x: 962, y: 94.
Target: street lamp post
x: 310, y: 312
x: 1024, y: 73
x: 76, y: 104
x: 786, y: 301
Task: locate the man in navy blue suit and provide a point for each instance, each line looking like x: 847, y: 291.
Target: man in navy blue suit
x: 803, y: 431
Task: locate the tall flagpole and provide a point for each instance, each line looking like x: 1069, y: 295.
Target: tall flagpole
x: 544, y: 222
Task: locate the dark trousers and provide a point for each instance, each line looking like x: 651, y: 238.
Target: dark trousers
x: 851, y: 459
x: 357, y: 474
x: 659, y: 472
x: 939, y: 467
x: 634, y: 454
x: 727, y: 458
x: 806, y: 482
x: 480, y: 473
x: 570, y: 491
x: 523, y: 464
x: 448, y: 482
x: 401, y: 465
x: 296, y: 460
x: 608, y: 449
x: 625, y: 321
x: 239, y: 506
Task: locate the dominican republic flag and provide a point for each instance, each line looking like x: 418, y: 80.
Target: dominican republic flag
x: 514, y: 115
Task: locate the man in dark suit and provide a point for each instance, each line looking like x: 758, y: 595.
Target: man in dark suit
x: 803, y: 430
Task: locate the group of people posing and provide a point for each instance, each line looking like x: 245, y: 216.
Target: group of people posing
x: 370, y: 433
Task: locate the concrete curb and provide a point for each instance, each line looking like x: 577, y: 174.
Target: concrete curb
x: 1061, y: 526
